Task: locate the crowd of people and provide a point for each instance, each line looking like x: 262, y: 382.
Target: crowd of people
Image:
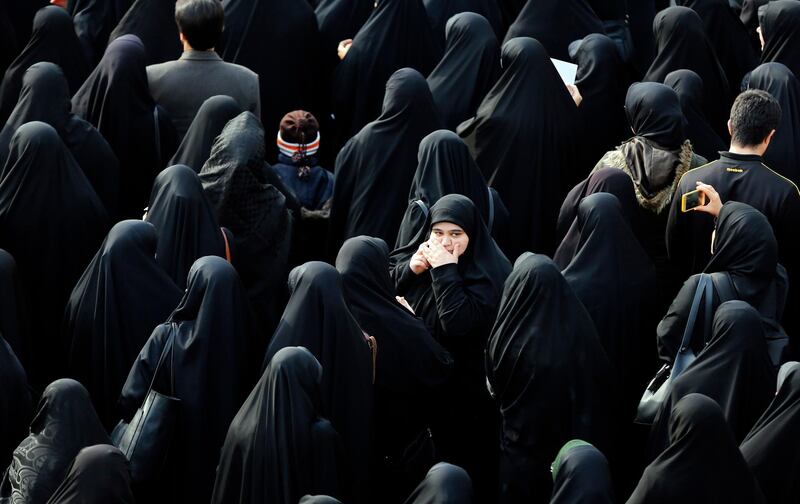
x: 456, y: 275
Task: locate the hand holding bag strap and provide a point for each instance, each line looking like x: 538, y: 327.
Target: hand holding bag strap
x: 703, y: 289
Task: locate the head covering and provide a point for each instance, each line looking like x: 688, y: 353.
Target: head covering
x: 98, y: 475
x: 185, y: 223
x: 524, y: 138
x: 444, y: 484
x: 783, y: 153
x: 116, y: 100
x: 53, y: 39
x: 769, y: 447
x: 319, y: 499
x: 272, y: 447
x: 118, y: 301
x: 153, y: 21
x: 16, y: 407
x: 243, y: 201
x: 689, y: 88
x: 702, y: 463
x: 581, y: 475
x: 64, y: 423
x: 375, y: 168
x: 382, y: 46
x: 555, y: 23
x: 545, y: 366
x: 94, y: 20
x: 44, y: 97
x: 440, y: 12
x: 317, y: 318
x: 683, y: 44
x: 213, y: 365
x: 780, y: 27
x: 211, y: 117
x: 469, y: 68
x: 52, y: 222
x: 298, y: 138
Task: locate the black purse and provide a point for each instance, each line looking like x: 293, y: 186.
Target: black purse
x: 145, y: 440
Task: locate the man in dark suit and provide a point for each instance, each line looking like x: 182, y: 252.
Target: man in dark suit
x: 181, y: 86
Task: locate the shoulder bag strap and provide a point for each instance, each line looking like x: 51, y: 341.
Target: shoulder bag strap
x: 167, y: 348
x: 490, y: 224
x: 680, y: 359
x: 423, y: 206
x: 158, y: 136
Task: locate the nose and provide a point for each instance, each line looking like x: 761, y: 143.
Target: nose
x: 446, y: 241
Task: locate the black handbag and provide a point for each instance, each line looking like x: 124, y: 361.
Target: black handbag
x: 145, y: 440
x: 658, y: 388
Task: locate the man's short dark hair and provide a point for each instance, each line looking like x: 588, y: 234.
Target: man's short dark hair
x: 200, y: 21
x: 754, y: 114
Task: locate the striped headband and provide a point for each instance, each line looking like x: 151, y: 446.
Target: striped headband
x: 289, y: 149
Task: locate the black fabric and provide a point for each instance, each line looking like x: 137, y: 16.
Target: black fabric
x: 116, y: 100
x: 243, y: 201
x: 375, y: 168
x: 94, y: 20
x: 581, y: 476
x: 728, y: 35
x: 13, y: 314
x: 444, y: 484
x: 20, y: 14
x: 211, y: 118
x: 549, y: 374
x: 16, y: 407
x: 339, y: 20
x: 780, y: 27
x: 689, y: 88
x: 555, y: 24
x: 186, y: 226
x: 53, y: 39
x: 317, y: 318
x: 64, y: 423
x: 213, y: 364
x: 98, y: 475
x: 254, y: 30
x: 783, y: 153
x: 52, y: 222
x: 769, y: 447
x: 396, y: 35
x: 682, y: 43
x: 445, y: 167
x: 467, y: 71
x: 524, y: 138
x: 702, y: 463
x: 441, y: 11
x: 118, y: 301
x: 278, y: 446
x: 641, y: 14
x: 603, y: 81
x: 44, y: 97
x: 734, y: 369
x: 153, y: 21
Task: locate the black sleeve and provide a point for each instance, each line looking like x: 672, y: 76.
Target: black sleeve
x: 141, y: 373
x: 460, y: 313
x: 670, y: 329
x: 328, y: 470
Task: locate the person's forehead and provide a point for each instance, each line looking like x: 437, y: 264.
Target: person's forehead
x: 446, y: 226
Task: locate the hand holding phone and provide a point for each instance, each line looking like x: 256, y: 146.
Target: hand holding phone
x: 692, y: 200
x: 712, y: 203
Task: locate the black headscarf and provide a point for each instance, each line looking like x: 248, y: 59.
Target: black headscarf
x: 211, y: 118
x: 444, y: 484
x: 545, y: 366
x: 702, y: 463
x: 254, y: 29
x: 52, y: 222
x: 581, y: 475
x: 121, y: 297
x: 278, y: 446
x: 213, y: 364
x: 53, y: 39
x: 94, y: 20
x: 555, y: 23
x: 689, y: 88
x: 445, y: 167
x: 185, y: 223
x: 469, y: 68
x: 116, y: 100
x: 375, y: 168
x: 602, y: 80
x: 16, y: 407
x: 396, y: 35
x: 243, y: 200
x: 682, y: 43
x: 317, y: 318
x: 98, y: 475
x: 783, y: 153
x: 44, y: 97
x: 780, y: 27
x: 524, y: 138
x: 64, y: 423
x: 153, y: 21
x: 440, y: 12
x: 769, y: 449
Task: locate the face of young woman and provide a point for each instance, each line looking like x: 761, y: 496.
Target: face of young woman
x: 449, y: 234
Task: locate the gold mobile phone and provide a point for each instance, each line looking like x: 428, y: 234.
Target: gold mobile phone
x: 692, y: 200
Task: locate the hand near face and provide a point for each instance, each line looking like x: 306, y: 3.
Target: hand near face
x: 436, y: 255
x: 418, y: 263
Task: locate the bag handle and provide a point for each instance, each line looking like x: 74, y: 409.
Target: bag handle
x: 703, y: 289
x: 423, y: 206
x: 167, y: 348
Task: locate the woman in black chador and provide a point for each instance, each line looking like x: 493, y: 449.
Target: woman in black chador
x: 99, y: 474
x: 211, y: 118
x: 780, y: 28
x: 689, y: 88
x: 581, y: 475
x: 153, y: 21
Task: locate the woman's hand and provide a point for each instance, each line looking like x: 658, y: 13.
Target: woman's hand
x: 713, y: 201
x: 344, y: 46
x: 404, y: 303
x: 575, y: 94
x: 418, y: 263
x: 436, y: 255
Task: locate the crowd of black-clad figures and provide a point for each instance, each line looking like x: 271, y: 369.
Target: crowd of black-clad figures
x: 455, y: 277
